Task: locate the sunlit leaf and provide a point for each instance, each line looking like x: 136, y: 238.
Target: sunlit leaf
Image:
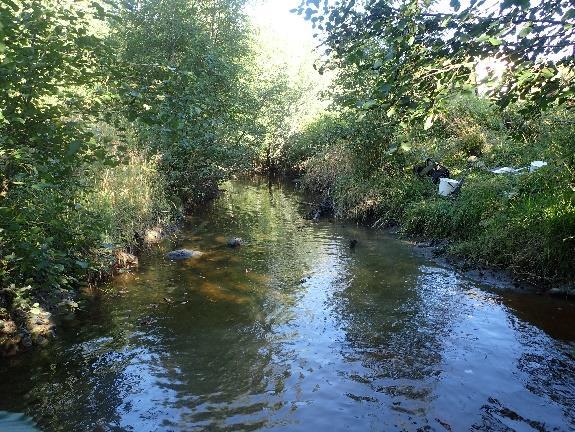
x: 369, y: 104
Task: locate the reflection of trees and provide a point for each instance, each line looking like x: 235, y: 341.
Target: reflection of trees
x: 280, y: 243
x: 432, y: 347
x: 224, y: 364
x: 242, y: 348
x: 395, y: 324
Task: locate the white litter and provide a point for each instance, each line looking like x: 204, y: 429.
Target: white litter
x: 535, y: 165
x: 507, y: 170
x: 447, y: 186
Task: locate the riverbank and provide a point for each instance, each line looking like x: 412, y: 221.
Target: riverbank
x: 437, y: 251
x: 440, y: 250
x: 29, y: 317
x: 235, y: 338
x: 516, y: 218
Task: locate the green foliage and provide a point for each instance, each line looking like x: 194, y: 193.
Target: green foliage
x: 407, y: 59
x: 524, y: 222
x: 277, y: 96
x: 181, y: 69
x: 49, y: 60
x: 130, y: 197
x: 111, y: 115
x: 531, y: 233
x: 313, y: 138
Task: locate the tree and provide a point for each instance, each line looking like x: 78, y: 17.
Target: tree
x: 415, y: 57
x: 49, y: 63
x: 179, y: 84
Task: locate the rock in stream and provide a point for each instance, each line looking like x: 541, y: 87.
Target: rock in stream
x: 183, y: 254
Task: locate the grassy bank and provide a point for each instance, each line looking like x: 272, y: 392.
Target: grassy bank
x: 108, y: 128
x: 523, y: 222
x: 55, y: 240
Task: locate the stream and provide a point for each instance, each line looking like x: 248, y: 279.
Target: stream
x: 296, y: 331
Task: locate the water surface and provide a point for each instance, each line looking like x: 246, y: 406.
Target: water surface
x: 296, y: 331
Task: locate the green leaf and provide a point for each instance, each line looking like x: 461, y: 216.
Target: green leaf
x: 525, y: 31
x: 12, y: 5
x: 547, y: 72
x: 73, y: 148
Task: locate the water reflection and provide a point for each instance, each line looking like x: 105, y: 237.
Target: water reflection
x: 297, y: 331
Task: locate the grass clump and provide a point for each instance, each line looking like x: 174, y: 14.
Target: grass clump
x: 523, y: 222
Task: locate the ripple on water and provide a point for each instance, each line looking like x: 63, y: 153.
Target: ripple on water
x: 296, y: 331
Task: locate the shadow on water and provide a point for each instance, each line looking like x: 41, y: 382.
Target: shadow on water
x: 296, y: 331
x: 14, y: 422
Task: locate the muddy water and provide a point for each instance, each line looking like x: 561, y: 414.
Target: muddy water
x: 296, y: 331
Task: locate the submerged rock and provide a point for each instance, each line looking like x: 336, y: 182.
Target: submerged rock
x: 183, y: 254
x: 235, y: 242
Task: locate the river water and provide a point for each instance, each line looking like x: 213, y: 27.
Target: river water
x: 296, y: 331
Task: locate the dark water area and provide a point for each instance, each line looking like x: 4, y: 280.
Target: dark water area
x: 297, y: 331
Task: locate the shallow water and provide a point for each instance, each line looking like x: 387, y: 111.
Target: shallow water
x: 296, y: 331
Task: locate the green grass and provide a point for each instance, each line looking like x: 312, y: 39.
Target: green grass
x: 525, y: 223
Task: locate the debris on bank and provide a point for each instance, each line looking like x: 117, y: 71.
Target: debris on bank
x: 533, y: 166
x: 447, y: 186
x: 432, y: 169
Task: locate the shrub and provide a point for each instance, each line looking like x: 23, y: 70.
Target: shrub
x: 524, y: 222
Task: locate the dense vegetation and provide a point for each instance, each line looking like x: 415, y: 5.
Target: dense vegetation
x: 408, y: 86
x: 118, y: 115
x: 115, y: 117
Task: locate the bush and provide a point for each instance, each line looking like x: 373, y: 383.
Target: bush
x: 524, y: 222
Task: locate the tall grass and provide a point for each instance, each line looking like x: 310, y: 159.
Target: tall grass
x: 523, y: 222
x: 129, y: 198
